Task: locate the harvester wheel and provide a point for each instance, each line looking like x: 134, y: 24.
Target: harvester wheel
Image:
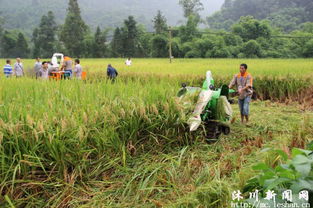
x: 213, y: 131
x: 226, y: 130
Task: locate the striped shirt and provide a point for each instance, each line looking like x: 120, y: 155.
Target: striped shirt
x: 8, y: 71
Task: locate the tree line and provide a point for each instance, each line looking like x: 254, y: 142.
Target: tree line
x: 287, y: 15
x: 246, y: 38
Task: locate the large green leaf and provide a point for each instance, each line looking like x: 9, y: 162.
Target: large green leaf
x: 287, y: 174
x: 300, y: 185
x: 297, y: 151
x: 261, y: 166
x: 266, y: 176
x: 302, y: 164
x: 271, y: 184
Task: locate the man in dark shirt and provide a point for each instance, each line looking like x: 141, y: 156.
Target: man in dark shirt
x: 112, y: 73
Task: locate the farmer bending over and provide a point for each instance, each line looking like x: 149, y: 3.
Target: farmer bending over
x: 112, y: 73
x: 244, y: 83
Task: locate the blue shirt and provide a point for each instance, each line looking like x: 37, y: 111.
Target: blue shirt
x: 112, y: 73
x: 8, y: 70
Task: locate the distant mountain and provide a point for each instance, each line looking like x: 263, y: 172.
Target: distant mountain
x: 285, y: 14
x: 26, y: 14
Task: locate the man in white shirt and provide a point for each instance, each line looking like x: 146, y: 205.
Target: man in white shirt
x: 128, y: 62
x: 18, y: 68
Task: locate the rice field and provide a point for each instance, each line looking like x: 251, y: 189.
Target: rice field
x: 126, y: 144
x: 219, y: 67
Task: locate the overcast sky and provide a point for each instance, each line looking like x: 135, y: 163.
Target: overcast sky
x: 212, y: 6
x: 105, y: 13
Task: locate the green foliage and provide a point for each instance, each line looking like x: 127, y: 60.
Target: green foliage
x: 191, y: 7
x: 117, y: 43
x: 308, y: 49
x: 193, y: 54
x: 35, y: 40
x: 186, y: 47
x: 214, y: 194
x: 1, y: 24
x: 126, y: 40
x: 288, y: 19
x: 130, y: 40
x: 189, y: 31
x: 88, y: 46
x: 159, y: 23
x: 287, y: 14
x: 8, y: 41
x: 249, y: 28
x: 44, y: 37
x: 25, y: 15
x: 307, y: 27
x: 252, y: 49
x: 176, y: 47
x: 99, y: 46
x: 22, y: 49
x: 233, y: 40
x: 159, y: 46
x: 250, y: 38
x: 74, y: 30
x: 202, y: 46
x: 143, y: 42
x: 1, y: 32
x: 220, y: 52
x: 14, y: 44
x: 130, y: 37
x: 295, y: 174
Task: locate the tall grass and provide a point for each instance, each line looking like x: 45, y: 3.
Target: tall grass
x: 75, y: 143
x: 275, y: 88
x: 219, y: 67
x: 74, y: 129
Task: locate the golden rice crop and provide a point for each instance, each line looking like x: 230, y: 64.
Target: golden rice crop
x: 219, y: 67
x: 107, y: 144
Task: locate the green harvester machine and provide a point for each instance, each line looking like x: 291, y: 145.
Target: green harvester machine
x: 213, y: 109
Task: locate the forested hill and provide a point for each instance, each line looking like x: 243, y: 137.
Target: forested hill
x: 26, y: 14
x: 286, y: 14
